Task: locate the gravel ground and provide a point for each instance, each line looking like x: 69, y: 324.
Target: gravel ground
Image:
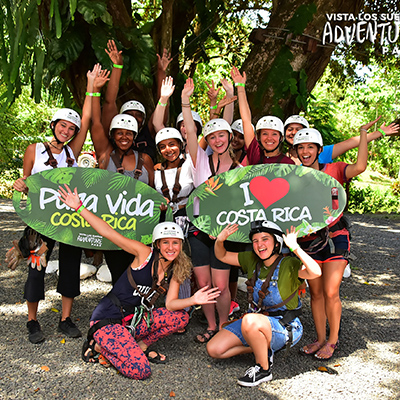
x: 366, y: 365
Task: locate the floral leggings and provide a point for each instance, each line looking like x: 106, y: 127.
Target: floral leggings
x: 122, y: 350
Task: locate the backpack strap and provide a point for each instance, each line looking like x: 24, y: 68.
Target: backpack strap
x: 139, y: 165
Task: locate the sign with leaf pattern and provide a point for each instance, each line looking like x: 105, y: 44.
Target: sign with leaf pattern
x: 129, y: 206
x: 288, y: 195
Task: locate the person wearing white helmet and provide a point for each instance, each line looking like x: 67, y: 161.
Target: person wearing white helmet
x: 208, y: 270
x: 238, y: 144
x: 263, y: 147
x: 329, y: 152
x: 272, y: 321
x: 69, y: 134
x: 125, y: 323
x: 144, y: 142
x: 330, y: 248
x: 116, y: 152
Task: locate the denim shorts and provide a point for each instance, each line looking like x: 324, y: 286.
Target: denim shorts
x: 279, y: 334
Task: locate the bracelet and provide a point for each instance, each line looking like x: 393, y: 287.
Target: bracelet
x: 80, y: 205
x: 381, y: 131
x: 213, y: 107
x: 185, y: 105
x: 95, y: 94
x: 293, y: 250
x: 80, y: 209
x: 239, y: 84
x: 118, y: 66
x: 363, y: 129
x: 162, y: 104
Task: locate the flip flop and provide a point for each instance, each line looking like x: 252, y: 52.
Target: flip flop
x: 157, y: 358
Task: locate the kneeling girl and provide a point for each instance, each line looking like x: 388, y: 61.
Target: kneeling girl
x: 260, y: 331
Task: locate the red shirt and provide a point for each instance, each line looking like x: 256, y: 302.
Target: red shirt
x: 255, y: 153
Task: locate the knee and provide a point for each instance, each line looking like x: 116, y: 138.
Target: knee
x: 141, y: 372
x: 251, y: 323
x: 214, y: 349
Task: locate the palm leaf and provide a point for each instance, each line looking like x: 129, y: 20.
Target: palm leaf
x: 239, y: 236
x: 235, y: 176
x: 91, y: 176
x: 119, y: 181
x: 203, y: 223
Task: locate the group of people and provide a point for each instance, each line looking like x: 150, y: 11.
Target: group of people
x: 126, y: 323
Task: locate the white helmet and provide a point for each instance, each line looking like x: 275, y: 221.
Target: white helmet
x: 216, y: 125
x: 238, y: 126
x: 296, y: 119
x: 68, y: 115
x: 269, y: 227
x: 308, y: 135
x: 168, y: 133
x: 270, y: 122
x: 133, y: 105
x: 167, y: 230
x: 196, y: 118
x: 124, y: 121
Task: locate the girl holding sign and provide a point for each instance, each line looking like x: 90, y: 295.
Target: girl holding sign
x: 330, y: 251
x: 218, y: 135
x: 125, y: 323
x: 69, y: 133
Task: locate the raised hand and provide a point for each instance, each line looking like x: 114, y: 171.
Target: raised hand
x: 291, y: 238
x: 212, y: 91
x: 188, y: 89
x: 113, y: 53
x: 228, y: 87
x: 391, y: 129
x: 227, y: 231
x: 367, y: 126
x: 164, y: 61
x: 237, y: 77
x: 71, y: 199
x: 91, y: 75
x: 167, y: 87
x: 101, y: 78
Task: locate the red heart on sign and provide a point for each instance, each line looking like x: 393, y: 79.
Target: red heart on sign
x: 268, y: 192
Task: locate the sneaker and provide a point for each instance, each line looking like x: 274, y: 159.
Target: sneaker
x: 234, y: 307
x: 270, y: 358
x: 69, y: 328
x: 35, y: 332
x: 254, y: 376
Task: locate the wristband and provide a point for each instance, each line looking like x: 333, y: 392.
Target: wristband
x: 79, y: 210
x: 95, y: 94
x: 239, y: 84
x: 213, y: 107
x: 363, y: 129
x: 185, y: 105
x: 80, y: 205
x: 293, y: 250
x: 118, y: 66
x: 162, y: 104
x: 381, y: 131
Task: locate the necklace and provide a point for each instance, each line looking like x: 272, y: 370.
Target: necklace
x: 51, y: 144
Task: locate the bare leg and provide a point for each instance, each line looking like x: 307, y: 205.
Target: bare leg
x: 32, y: 310
x: 67, y: 303
x: 220, y: 279
x: 226, y: 344
x: 318, y: 307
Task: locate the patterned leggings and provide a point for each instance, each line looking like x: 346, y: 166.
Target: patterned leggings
x: 122, y: 350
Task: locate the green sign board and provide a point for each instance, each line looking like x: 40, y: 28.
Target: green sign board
x: 129, y: 206
x: 286, y: 194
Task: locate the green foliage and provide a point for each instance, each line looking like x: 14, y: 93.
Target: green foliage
x: 368, y: 200
x: 396, y: 188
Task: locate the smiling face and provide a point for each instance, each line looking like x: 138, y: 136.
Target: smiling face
x: 263, y: 244
x: 270, y: 140
x: 218, y: 141
x: 64, y: 130
x: 308, y: 154
x: 169, y: 149
x: 170, y: 248
x: 291, y: 130
x: 237, y: 141
x: 123, y: 138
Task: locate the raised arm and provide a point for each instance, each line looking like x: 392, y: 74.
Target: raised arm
x: 77, y: 142
x: 310, y: 268
x: 212, y: 94
x: 72, y: 200
x: 162, y: 65
x: 99, y: 135
x: 245, y: 113
x: 188, y: 120
x: 360, y: 165
x: 110, y: 109
x: 353, y: 142
x: 224, y: 256
x: 167, y: 88
x: 229, y: 101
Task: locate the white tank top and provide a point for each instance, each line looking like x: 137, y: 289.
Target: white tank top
x: 41, y: 157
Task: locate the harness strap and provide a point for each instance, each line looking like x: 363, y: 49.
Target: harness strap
x: 52, y: 161
x: 176, y: 188
x: 212, y: 169
x: 139, y: 165
x: 118, y: 162
x: 100, y: 324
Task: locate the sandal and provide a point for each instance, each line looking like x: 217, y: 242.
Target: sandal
x: 89, y: 354
x: 157, y: 358
x: 206, y: 336
x: 181, y: 331
x: 312, y: 348
x: 326, y: 352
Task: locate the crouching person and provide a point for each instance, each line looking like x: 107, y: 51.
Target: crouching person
x: 272, y: 322
x: 125, y: 323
